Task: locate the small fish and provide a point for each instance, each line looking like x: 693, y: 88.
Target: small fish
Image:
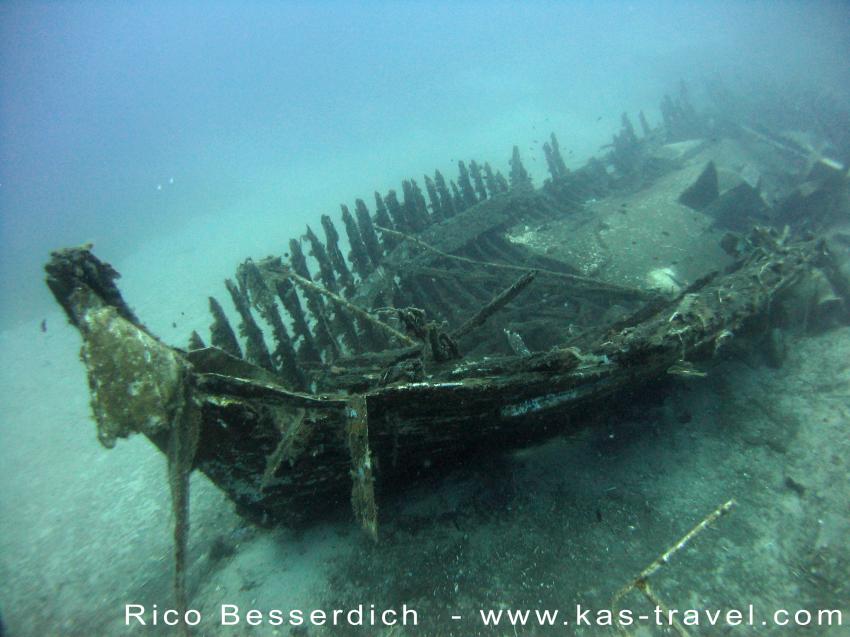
x: 686, y: 370
x: 516, y: 343
x: 43, y: 325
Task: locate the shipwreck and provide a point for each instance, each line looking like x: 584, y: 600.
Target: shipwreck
x: 439, y: 335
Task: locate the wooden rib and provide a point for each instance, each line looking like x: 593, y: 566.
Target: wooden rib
x: 584, y: 282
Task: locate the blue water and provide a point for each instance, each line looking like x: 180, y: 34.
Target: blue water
x: 183, y: 137
x: 122, y: 121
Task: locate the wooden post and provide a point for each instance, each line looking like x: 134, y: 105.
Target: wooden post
x: 221, y: 334
x: 358, y: 256
x: 382, y: 216
x: 367, y: 231
x: 490, y: 180
x: 519, y: 175
x: 326, y: 268
x: 325, y: 339
x: 466, y: 190
x: 477, y: 180
x: 446, y: 202
x: 254, y: 287
x: 307, y: 350
x: 335, y: 256
x: 436, y: 206
x: 256, y: 350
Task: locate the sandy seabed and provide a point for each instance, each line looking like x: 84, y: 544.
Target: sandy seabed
x: 84, y: 531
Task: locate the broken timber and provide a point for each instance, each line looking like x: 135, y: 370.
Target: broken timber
x: 396, y: 360
x: 287, y: 456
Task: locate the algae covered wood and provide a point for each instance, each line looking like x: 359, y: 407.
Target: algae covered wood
x: 286, y: 457
x: 405, y: 358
